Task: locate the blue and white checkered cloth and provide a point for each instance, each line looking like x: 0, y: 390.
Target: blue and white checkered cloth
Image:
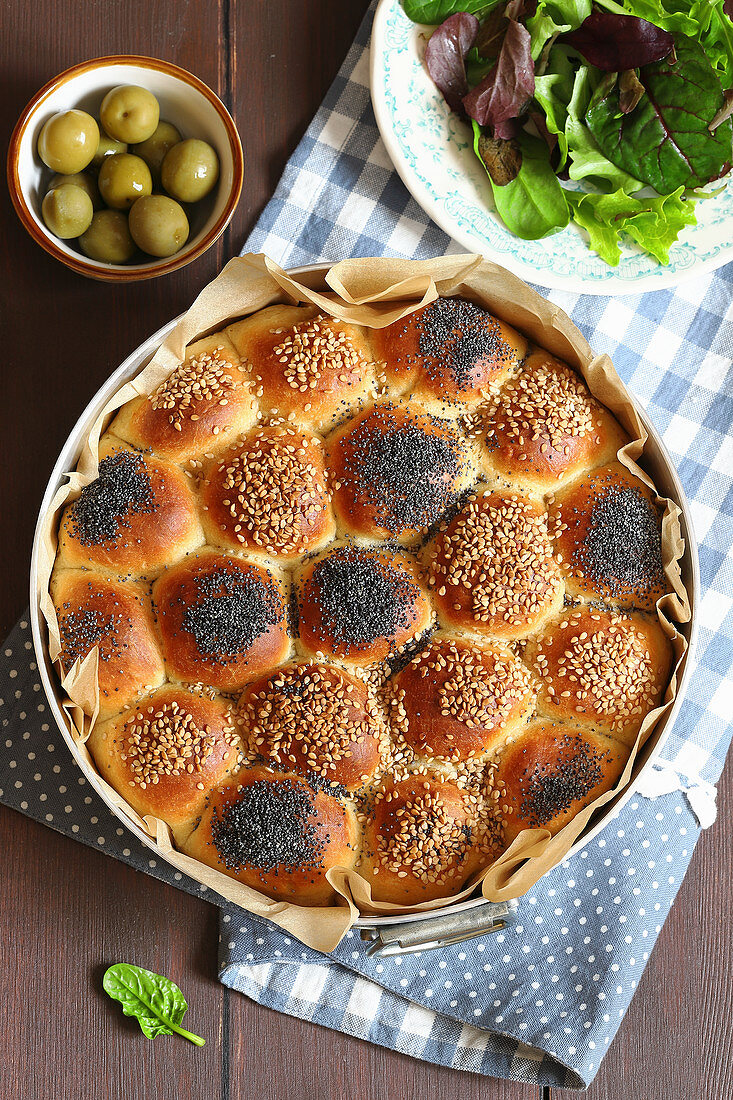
x: 540, y: 1001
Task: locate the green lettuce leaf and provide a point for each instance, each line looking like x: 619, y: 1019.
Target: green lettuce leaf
x: 533, y: 205
x: 437, y: 11
x: 654, y: 223
x: 553, y: 92
x: 555, y: 17
x: 587, y: 161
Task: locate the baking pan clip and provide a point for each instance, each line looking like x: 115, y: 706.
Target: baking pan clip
x: 427, y: 935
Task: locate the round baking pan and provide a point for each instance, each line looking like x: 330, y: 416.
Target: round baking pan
x: 655, y: 460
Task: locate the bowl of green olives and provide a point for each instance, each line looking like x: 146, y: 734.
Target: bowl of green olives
x: 125, y: 168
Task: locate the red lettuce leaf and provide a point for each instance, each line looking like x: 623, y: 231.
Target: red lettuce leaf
x: 617, y: 42
x: 445, y: 57
x: 501, y: 95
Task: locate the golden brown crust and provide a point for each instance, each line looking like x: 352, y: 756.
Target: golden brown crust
x: 602, y: 669
x: 315, y: 718
x: 135, y: 518
x: 456, y: 700
x: 203, y: 404
x: 422, y: 839
x: 304, y: 366
x: 551, y: 772
x: 543, y: 427
x: 491, y: 570
x: 222, y: 620
x: 272, y: 832
x: 448, y: 354
x: 396, y: 470
x: 360, y: 604
x: 607, y: 532
x: 167, y: 753
x: 368, y: 536
x: 267, y: 494
x: 117, y: 618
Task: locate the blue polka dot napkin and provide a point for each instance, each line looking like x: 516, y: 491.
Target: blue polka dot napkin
x: 541, y: 1000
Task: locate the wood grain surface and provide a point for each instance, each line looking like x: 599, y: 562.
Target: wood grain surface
x: 66, y: 911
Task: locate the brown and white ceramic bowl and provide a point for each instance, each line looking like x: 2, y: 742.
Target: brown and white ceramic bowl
x: 184, y: 100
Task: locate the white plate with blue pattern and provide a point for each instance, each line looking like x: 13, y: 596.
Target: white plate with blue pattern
x: 432, y: 150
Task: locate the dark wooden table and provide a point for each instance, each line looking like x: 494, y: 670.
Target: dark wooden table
x: 67, y: 911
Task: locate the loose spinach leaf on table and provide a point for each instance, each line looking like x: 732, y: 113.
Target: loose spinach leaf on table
x: 155, y: 1001
x: 435, y: 11
x: 533, y: 204
x: 654, y: 223
x: 665, y: 140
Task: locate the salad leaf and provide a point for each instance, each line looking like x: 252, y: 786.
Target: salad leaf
x: 501, y: 95
x: 534, y: 203
x: 666, y: 139
x: 437, y: 11
x: 553, y: 18
x: 445, y: 56
x: 704, y: 21
x: 501, y: 159
x: 587, y: 162
x: 614, y: 42
x: 155, y: 1001
x: 654, y: 223
x: 553, y: 93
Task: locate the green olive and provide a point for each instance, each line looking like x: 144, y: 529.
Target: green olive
x: 190, y: 170
x: 68, y: 141
x: 67, y: 211
x: 83, y: 180
x: 108, y: 238
x: 158, y: 225
x: 129, y: 113
x: 124, y: 178
x: 107, y: 147
x: 155, y: 148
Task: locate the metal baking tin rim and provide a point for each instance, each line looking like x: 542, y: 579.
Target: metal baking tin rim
x: 67, y: 460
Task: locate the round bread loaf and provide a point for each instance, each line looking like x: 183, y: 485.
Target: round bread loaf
x: 116, y: 618
x: 492, y: 569
x: 167, y: 753
x: 361, y: 604
x: 396, y: 471
x: 422, y: 839
x: 375, y: 600
x: 135, y: 518
x: 267, y: 494
x: 550, y: 773
x: 456, y: 700
x: 307, y: 367
x: 204, y: 403
x: 315, y: 718
x: 222, y: 620
x: 448, y: 354
x: 276, y: 833
x: 607, y: 538
x: 544, y: 428
x: 600, y: 668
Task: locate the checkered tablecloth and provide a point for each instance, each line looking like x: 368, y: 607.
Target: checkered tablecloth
x: 542, y: 1000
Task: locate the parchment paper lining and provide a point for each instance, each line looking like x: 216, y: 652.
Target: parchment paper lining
x: 374, y: 293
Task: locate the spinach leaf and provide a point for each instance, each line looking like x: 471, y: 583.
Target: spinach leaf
x: 665, y: 140
x: 436, y: 11
x: 533, y: 204
x: 654, y: 223
x: 155, y: 1001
